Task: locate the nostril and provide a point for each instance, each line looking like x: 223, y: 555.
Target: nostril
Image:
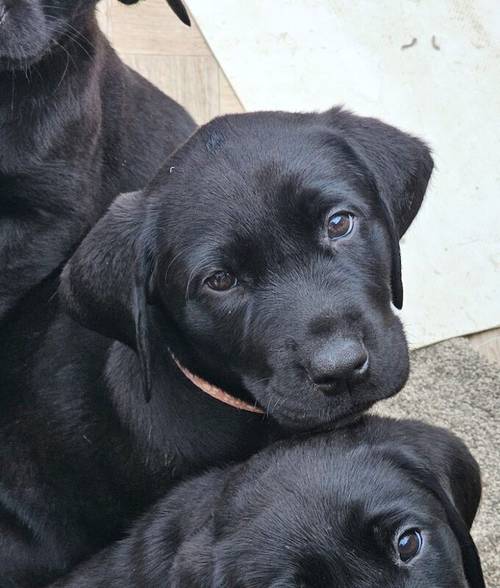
x: 362, y: 365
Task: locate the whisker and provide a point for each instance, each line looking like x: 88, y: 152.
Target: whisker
x: 68, y: 58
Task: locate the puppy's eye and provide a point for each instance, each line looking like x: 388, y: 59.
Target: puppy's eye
x: 340, y: 225
x: 409, y: 545
x: 221, y: 281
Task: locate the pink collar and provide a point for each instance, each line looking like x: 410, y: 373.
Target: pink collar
x: 216, y: 392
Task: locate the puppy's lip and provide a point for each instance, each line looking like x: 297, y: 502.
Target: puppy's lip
x: 327, y: 412
x: 337, y: 387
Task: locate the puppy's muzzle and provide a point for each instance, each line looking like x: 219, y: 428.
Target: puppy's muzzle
x: 336, y: 363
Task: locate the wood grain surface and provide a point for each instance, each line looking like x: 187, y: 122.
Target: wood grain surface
x: 176, y: 58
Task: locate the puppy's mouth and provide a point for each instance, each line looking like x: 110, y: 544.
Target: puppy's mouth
x: 300, y: 406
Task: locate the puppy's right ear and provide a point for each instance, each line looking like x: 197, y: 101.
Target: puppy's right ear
x: 104, y: 286
x: 176, y: 5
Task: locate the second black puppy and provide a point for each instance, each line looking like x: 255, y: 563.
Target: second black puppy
x: 381, y: 504
x: 77, y: 126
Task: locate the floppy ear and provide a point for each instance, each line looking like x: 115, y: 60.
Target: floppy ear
x: 176, y: 5
x: 400, y: 163
x: 439, y: 462
x: 104, y: 285
x: 396, y: 279
x: 401, y: 166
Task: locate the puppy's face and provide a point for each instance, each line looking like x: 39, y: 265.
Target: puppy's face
x: 274, y: 267
x: 267, y: 250
x: 351, y: 523
x: 31, y: 28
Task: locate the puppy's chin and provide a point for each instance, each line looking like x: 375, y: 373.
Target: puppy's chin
x: 13, y: 64
x: 316, y: 422
x: 302, y: 408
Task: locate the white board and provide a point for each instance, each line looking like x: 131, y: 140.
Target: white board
x: 312, y: 54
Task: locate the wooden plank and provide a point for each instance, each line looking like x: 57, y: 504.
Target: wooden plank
x: 228, y: 101
x: 192, y: 81
x: 151, y: 28
x: 176, y: 58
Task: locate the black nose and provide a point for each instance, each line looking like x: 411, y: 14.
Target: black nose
x: 339, y: 360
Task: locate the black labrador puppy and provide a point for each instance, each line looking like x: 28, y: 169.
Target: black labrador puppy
x: 77, y: 127
x: 259, y: 267
x: 379, y: 504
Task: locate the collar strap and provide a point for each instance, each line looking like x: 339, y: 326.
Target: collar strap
x: 216, y: 392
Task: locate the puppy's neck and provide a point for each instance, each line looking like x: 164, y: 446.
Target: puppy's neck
x: 181, y: 427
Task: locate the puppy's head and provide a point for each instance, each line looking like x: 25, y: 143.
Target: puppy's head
x: 29, y: 29
x: 267, y: 256
x: 324, y: 514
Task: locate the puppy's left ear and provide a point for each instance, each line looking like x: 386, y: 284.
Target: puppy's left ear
x: 400, y: 166
x: 176, y: 5
x: 442, y: 464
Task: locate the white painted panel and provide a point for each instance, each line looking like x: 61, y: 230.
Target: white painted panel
x: 312, y: 54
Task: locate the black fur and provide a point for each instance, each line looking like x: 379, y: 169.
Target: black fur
x: 76, y: 128
x: 251, y: 194
x: 81, y: 453
x: 313, y: 513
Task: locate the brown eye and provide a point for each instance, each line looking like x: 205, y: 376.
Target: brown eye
x: 221, y: 281
x: 409, y: 544
x: 340, y: 225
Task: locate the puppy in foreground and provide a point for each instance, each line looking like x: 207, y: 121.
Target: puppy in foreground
x: 382, y: 503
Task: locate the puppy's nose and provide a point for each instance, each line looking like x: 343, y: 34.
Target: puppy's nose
x: 339, y: 360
